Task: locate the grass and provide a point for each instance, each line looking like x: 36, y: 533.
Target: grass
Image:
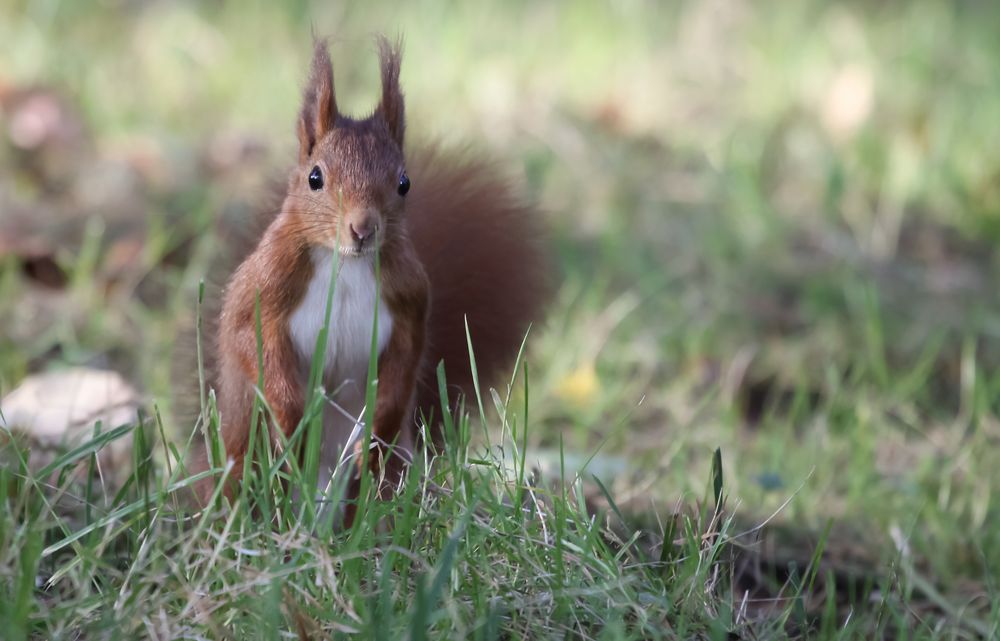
x: 470, y: 554
x: 775, y: 226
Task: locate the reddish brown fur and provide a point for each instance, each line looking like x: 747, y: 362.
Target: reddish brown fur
x: 482, y: 247
x: 464, y: 246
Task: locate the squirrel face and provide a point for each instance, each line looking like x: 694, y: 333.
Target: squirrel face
x: 349, y: 186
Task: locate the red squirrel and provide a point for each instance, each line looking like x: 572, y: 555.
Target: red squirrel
x: 455, y: 244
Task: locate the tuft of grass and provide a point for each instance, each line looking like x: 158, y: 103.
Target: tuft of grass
x: 460, y: 560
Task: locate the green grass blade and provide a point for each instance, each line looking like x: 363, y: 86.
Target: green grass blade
x: 90, y: 447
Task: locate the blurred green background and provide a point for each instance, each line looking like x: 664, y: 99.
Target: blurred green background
x: 776, y: 225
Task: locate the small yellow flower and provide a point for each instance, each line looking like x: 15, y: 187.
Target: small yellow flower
x: 579, y: 386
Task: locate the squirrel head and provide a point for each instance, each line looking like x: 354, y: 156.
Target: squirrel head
x: 350, y: 182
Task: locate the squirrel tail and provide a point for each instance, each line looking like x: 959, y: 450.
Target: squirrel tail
x: 483, y: 248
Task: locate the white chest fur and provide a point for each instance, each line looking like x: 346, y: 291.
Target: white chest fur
x: 352, y: 309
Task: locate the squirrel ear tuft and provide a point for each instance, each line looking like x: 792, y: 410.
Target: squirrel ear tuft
x: 391, y: 107
x: 319, y: 103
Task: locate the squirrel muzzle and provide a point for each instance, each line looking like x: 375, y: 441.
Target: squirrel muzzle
x: 361, y: 227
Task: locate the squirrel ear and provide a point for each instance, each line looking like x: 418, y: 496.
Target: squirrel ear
x: 319, y: 104
x: 391, y: 107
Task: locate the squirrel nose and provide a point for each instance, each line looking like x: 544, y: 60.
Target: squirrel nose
x: 360, y: 232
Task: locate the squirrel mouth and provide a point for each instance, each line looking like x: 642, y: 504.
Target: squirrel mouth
x: 366, y: 250
x: 351, y: 250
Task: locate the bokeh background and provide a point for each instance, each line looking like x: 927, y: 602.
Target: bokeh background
x: 776, y: 225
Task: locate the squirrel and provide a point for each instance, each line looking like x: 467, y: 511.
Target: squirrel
x: 455, y: 245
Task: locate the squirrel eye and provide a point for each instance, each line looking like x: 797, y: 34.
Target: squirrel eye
x: 404, y: 184
x: 316, y: 179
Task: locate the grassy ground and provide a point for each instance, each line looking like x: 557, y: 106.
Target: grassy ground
x: 775, y: 224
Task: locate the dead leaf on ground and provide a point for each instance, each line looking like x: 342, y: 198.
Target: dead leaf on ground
x: 56, y: 411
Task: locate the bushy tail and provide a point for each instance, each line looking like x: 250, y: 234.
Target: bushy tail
x: 483, y: 247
